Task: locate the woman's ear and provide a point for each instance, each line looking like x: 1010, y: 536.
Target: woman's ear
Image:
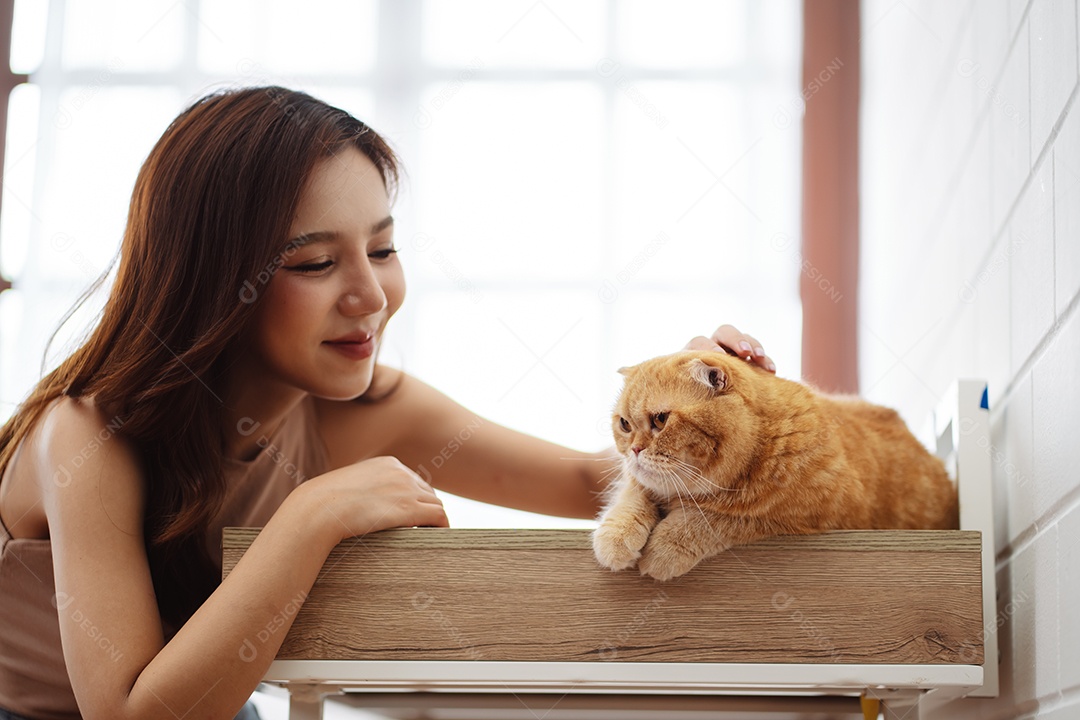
x: 708, y: 375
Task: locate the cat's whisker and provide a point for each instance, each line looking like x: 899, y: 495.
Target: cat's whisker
x: 688, y: 493
x: 713, y: 485
x: 666, y: 472
x: 677, y: 485
x: 615, y: 466
x: 697, y: 474
x: 610, y: 477
x: 707, y: 482
x: 616, y: 463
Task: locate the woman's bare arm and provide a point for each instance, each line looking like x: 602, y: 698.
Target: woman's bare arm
x: 118, y: 663
x: 461, y: 452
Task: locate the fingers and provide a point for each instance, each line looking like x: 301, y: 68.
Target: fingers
x: 432, y: 515
x: 759, y: 355
x: 741, y: 344
x: 422, y: 510
x: 730, y: 339
x: 702, y: 343
x: 416, y: 502
x: 745, y: 346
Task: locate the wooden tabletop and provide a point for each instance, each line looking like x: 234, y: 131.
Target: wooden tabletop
x: 422, y: 594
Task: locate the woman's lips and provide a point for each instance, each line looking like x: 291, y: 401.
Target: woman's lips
x: 353, y: 350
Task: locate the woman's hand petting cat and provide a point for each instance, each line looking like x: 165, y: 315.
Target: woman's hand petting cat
x: 730, y: 340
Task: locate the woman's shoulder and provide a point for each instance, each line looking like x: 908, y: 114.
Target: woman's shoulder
x: 76, y: 438
x: 63, y: 445
x: 70, y: 427
x: 353, y: 431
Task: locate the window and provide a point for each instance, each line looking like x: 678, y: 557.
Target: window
x: 591, y: 182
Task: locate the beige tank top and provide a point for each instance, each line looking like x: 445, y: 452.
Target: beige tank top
x: 33, y: 678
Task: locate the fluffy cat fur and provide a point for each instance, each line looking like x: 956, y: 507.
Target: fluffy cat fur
x: 730, y: 454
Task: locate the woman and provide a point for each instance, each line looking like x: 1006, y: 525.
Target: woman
x: 232, y: 380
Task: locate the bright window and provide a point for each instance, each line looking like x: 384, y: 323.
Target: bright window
x: 591, y: 182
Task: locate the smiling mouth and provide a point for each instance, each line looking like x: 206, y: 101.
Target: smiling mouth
x: 353, y: 350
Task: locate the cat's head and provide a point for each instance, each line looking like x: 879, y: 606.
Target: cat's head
x: 684, y: 423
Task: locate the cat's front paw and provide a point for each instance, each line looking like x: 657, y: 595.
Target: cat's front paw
x: 617, y: 544
x: 663, y: 560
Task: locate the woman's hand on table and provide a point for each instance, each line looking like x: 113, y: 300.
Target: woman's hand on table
x: 372, y: 495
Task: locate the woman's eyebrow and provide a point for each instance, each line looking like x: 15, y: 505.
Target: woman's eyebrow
x: 332, y: 235
x: 382, y: 224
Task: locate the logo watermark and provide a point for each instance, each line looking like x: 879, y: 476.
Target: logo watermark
x: 423, y: 602
x: 422, y: 241
x: 63, y: 601
x: 782, y: 241
x: 609, y: 291
x: 784, y: 113
x: 607, y: 68
x: 248, y: 650
x: 62, y: 475
x: 968, y: 68
x: 451, y: 447
x: 610, y: 650
x: 425, y: 114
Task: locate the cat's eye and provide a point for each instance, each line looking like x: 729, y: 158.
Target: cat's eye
x: 624, y: 425
x: 658, y: 420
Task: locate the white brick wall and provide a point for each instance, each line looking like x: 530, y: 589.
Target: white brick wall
x: 970, y: 194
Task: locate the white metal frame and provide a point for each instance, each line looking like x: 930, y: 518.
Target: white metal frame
x: 311, y: 681
x: 962, y: 426
x: 962, y: 429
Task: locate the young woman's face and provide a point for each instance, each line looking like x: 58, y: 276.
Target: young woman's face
x: 339, y: 282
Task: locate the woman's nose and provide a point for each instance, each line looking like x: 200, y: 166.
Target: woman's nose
x: 365, y: 296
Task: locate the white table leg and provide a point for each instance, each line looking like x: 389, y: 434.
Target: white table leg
x: 306, y: 701
x: 303, y: 709
x: 903, y: 706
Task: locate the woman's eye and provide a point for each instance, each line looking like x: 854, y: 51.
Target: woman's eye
x: 624, y: 425
x: 312, y: 267
x: 658, y: 420
x: 384, y: 254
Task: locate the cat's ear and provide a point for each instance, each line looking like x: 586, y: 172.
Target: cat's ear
x: 627, y: 371
x: 711, y: 377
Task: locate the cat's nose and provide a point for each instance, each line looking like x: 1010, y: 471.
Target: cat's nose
x: 637, y: 449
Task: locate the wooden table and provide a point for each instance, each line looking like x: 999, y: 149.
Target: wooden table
x: 514, y: 612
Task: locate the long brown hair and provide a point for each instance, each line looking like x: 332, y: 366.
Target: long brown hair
x: 211, y: 208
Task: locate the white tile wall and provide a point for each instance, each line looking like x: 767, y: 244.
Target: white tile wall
x: 1052, y: 27
x: 1067, y: 211
x: 1014, y: 461
x: 970, y: 188
x: 1069, y: 592
x: 1055, y: 394
x: 994, y: 33
x: 1065, y: 712
x: 1008, y: 103
x: 1035, y: 623
x: 1030, y: 244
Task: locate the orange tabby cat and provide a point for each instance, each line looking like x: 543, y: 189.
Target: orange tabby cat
x: 717, y: 452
